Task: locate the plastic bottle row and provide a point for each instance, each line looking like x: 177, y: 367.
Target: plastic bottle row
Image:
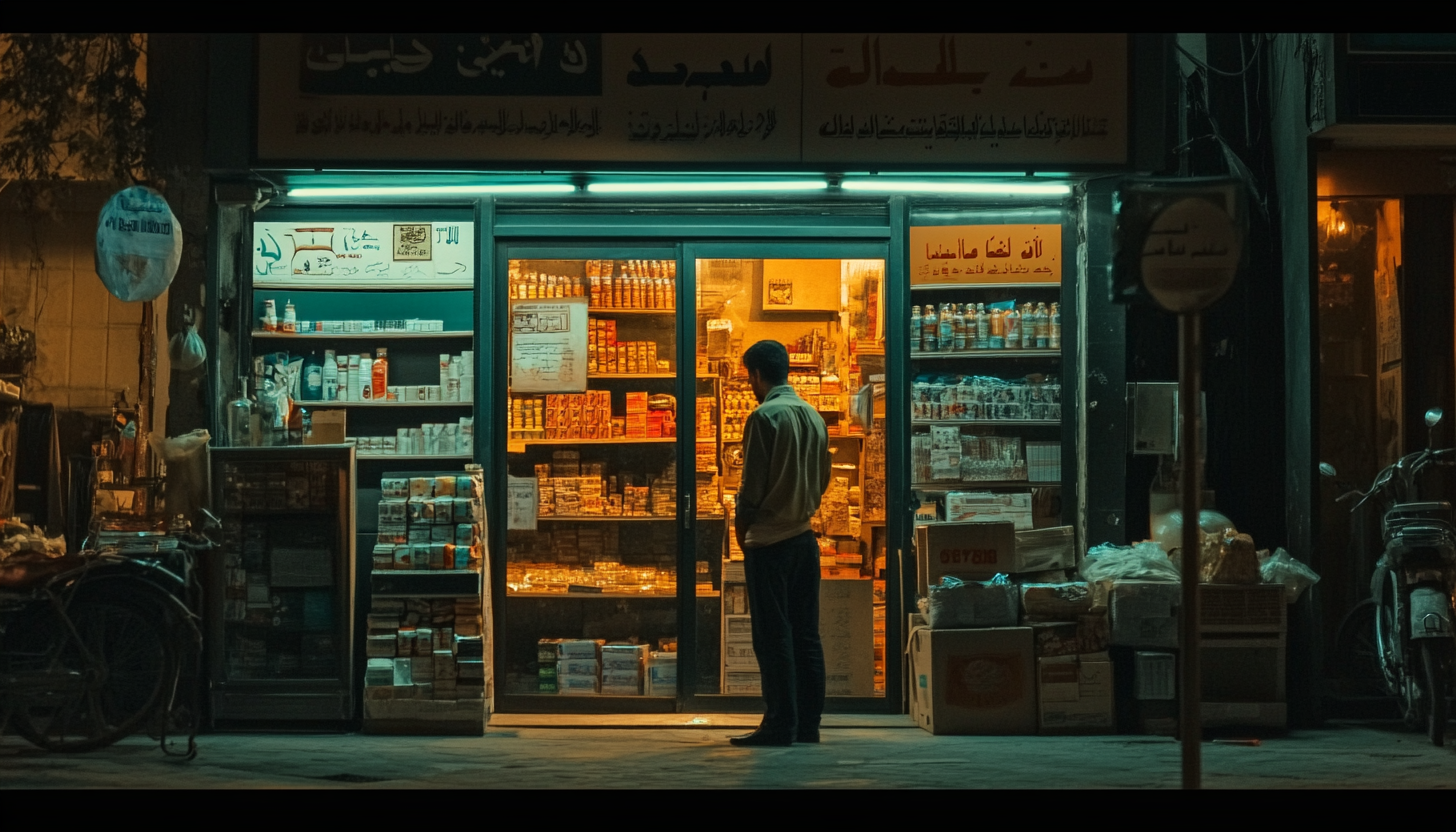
x: 964, y: 397
x: 1001, y: 325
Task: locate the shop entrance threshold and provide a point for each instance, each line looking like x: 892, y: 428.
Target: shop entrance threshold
x: 709, y: 721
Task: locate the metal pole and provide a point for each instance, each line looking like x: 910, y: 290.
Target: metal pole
x: 1191, y: 688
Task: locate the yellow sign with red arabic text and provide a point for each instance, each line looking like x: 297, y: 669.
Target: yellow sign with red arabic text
x: 975, y: 254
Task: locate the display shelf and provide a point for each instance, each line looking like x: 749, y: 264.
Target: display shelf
x: 387, y: 404
x: 1015, y: 423
x: 360, y: 336
x: 970, y: 486
x: 616, y: 441
x: 926, y: 287
x: 314, y: 284
x: 592, y: 518
x: 986, y: 353
x: 630, y: 375
x: 414, y: 456
x: 612, y: 310
x: 595, y: 595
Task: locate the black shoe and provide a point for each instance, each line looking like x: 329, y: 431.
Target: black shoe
x: 761, y: 738
x: 807, y: 735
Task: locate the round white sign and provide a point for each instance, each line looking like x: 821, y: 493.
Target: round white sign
x: 1191, y: 255
x: 138, y: 244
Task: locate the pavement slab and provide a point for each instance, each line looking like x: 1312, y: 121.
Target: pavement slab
x: 883, y: 752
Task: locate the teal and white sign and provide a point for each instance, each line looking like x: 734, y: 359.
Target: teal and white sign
x: 138, y: 244
x: 352, y: 254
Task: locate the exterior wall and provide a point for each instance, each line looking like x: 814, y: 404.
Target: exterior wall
x: 86, y: 340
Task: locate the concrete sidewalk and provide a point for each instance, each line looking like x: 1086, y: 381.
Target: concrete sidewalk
x: 856, y: 753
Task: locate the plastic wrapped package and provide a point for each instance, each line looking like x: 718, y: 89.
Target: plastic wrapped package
x: 956, y: 604
x: 1282, y: 568
x: 1145, y: 561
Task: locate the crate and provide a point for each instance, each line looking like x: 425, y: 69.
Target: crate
x: 1236, y: 608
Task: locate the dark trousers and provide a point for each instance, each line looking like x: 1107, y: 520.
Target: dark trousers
x: 783, y: 598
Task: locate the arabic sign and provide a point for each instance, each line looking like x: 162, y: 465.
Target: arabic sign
x: 970, y: 254
x: 1191, y: 255
x: 965, y: 97
x: 531, y: 64
x: 548, y: 346
x: 364, y: 254
x: 518, y: 97
x: 711, y: 98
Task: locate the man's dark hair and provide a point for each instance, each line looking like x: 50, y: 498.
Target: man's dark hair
x: 770, y: 359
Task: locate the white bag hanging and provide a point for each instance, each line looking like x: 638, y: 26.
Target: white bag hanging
x: 186, y: 348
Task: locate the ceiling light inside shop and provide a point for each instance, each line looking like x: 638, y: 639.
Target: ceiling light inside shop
x: 434, y: 190
x: 991, y: 188
x: 705, y: 187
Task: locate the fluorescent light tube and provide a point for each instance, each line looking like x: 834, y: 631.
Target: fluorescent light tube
x: 433, y: 190
x: 704, y: 187
x: 997, y: 188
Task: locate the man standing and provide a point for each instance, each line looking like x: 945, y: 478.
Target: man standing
x: 785, y: 472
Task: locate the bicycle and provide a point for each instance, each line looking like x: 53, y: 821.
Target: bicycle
x: 100, y: 644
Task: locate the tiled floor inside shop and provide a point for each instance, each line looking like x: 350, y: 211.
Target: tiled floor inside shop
x: 688, y: 751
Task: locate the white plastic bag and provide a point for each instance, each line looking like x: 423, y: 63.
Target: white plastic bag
x: 1282, y: 568
x: 1145, y: 561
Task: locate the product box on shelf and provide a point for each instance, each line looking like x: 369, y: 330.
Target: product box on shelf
x: 973, y: 681
x: 979, y: 551
x: 330, y: 427
x: 1075, y: 694
x: 661, y: 674
x: 989, y: 507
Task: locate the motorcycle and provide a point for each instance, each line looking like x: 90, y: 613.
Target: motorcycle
x: 1412, y: 587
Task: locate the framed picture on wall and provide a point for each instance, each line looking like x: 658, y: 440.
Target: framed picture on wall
x: 800, y: 285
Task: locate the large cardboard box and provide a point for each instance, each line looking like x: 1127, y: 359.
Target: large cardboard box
x: 979, y: 551
x: 1144, y: 613
x: 973, y: 681
x: 847, y: 631
x: 1074, y: 694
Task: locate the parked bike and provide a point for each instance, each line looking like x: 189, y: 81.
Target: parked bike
x: 1412, y: 587
x: 99, y: 645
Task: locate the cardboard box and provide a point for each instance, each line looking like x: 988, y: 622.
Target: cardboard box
x: 980, y: 551
x: 329, y: 427
x: 1144, y: 613
x: 578, y: 649
x: 1088, y: 634
x: 973, y: 681
x: 1055, y: 602
x: 623, y: 657
x: 1074, y: 694
x: 661, y: 674
x: 846, y: 629
x: 576, y: 685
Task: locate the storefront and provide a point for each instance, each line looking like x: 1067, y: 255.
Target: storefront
x: 577, y: 334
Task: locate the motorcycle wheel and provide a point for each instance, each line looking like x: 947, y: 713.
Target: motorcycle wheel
x: 1436, y: 664
x: 106, y: 697
x: 1397, y: 667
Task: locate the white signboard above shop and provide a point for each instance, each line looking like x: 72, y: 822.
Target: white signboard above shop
x: 349, y: 254
x: 720, y: 99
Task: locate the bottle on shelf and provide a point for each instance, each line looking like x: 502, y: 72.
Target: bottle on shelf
x: 342, y: 394
x: 270, y: 316
x: 983, y: 327
x: 290, y: 318
x: 1012, y: 322
x: 330, y: 376
x: 312, y: 388
x: 379, y: 375
x: 1041, y: 326
x: 945, y: 334
x: 240, y: 417
x: 959, y: 318
x: 915, y: 340
x: 366, y: 378
x: 356, y: 379
x: 929, y: 330
x: 998, y: 331
x: 1054, y: 328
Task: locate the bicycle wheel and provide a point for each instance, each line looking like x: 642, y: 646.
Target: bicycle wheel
x: 1357, y: 652
x: 100, y: 688
x: 1436, y: 664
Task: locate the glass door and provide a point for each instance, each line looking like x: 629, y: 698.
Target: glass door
x: 590, y: 617
x: 825, y: 303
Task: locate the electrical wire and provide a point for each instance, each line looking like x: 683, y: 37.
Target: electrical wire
x: 1202, y: 64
